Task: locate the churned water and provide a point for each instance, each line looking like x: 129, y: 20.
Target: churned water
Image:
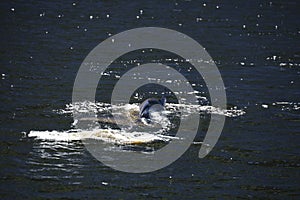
x: 255, y: 45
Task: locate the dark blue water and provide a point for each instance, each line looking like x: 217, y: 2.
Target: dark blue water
x: 256, y: 47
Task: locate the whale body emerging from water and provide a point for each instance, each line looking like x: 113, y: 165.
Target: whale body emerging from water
x: 148, y: 103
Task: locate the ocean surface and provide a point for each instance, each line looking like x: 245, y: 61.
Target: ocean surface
x: 256, y: 47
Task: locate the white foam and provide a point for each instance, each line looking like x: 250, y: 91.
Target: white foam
x: 129, y: 135
x: 287, y: 106
x: 107, y: 135
x: 105, y: 107
x: 206, y: 109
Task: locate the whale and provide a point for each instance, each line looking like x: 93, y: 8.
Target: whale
x: 148, y: 103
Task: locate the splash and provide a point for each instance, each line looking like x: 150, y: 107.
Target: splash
x: 134, y: 130
x: 107, y: 135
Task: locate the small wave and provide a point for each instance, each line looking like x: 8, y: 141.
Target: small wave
x: 283, y: 105
x: 206, y: 109
x: 288, y: 105
x: 107, y: 135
